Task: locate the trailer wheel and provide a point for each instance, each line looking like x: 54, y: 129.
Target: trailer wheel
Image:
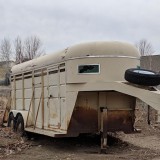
x: 11, y: 121
x: 142, y: 77
x: 20, y: 125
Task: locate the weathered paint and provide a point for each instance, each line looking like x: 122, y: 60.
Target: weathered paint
x: 83, y: 121
x: 120, y: 120
x: 119, y: 116
x: 71, y: 102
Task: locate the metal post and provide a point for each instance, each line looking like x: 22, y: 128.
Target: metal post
x: 103, y: 129
x: 148, y: 117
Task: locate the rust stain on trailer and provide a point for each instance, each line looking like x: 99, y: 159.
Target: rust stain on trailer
x: 119, y: 120
x: 53, y: 115
x: 84, y: 120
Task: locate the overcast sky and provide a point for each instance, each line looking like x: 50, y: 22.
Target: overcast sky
x: 62, y: 23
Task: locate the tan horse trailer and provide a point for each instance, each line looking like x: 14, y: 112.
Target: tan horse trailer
x: 78, y: 90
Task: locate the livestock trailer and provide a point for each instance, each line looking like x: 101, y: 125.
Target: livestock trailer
x: 80, y: 89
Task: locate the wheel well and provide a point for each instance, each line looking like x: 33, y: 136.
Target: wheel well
x: 18, y: 114
x: 10, y: 113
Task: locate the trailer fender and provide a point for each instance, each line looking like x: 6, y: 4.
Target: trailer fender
x: 26, y: 117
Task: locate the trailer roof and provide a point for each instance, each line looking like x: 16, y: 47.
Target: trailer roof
x: 99, y: 48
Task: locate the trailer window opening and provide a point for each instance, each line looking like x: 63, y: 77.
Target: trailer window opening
x: 62, y: 70
x: 53, y: 72
x: 89, y: 69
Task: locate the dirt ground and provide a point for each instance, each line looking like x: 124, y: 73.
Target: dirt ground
x: 143, y: 146
x: 137, y: 146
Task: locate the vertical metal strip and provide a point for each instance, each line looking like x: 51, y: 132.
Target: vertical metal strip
x: 29, y: 109
x: 37, y: 111
x: 14, y: 92
x: 42, y: 82
x: 33, y: 91
x: 99, y: 111
x: 148, y: 115
x: 48, y: 109
x: 59, y: 95
x: 23, y: 91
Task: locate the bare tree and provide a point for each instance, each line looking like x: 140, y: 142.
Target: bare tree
x: 19, y: 50
x: 32, y: 48
x: 6, y: 52
x: 5, y: 49
x: 145, y: 48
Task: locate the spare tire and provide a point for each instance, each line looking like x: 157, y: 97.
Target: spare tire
x: 142, y: 77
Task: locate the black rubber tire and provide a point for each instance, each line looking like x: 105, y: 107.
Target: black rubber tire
x: 142, y: 77
x: 19, y: 127
x: 11, y: 121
